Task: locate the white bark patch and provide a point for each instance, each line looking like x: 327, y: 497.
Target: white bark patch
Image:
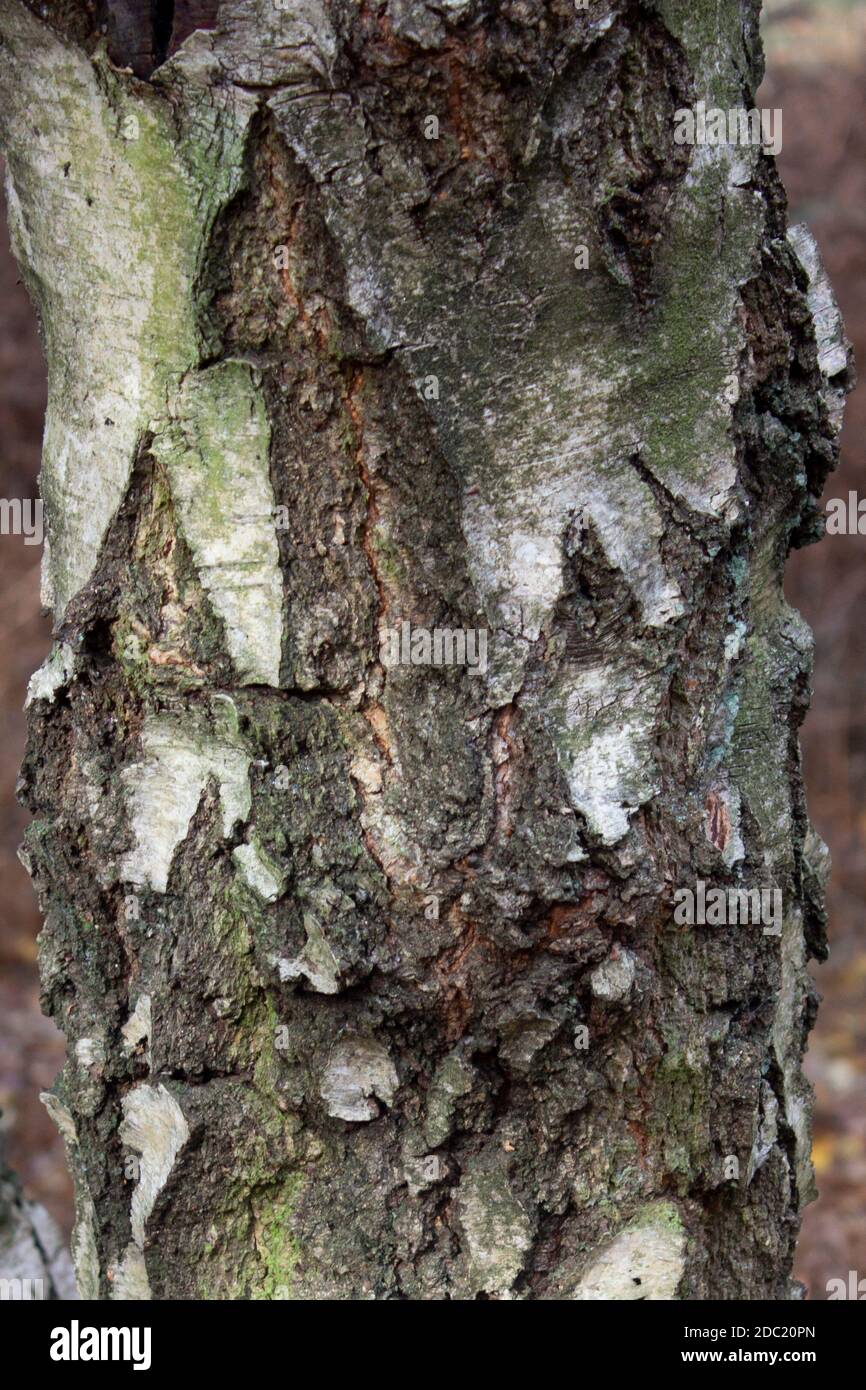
x: 138, y: 1027
x: 767, y: 1132
x: 110, y: 286
x: 787, y: 1027
x: 401, y: 858
x: 645, y: 1261
x: 60, y: 1115
x: 829, y: 329
x: 272, y: 42
x: 358, y: 1071
x: 614, y: 978
x: 90, y: 1052
x: 368, y: 772
x: 85, y: 1257
x: 154, y: 1127
x: 164, y: 790
x: 216, y: 451
x: 497, y: 1229
x: 130, y: 1282
x: 316, y: 963
x: 561, y: 467
x: 75, y: 253
x: 108, y: 223
x: 54, y: 674
x: 259, y: 871
x: 604, y: 730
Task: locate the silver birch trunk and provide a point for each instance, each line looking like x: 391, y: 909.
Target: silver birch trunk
x: 368, y: 322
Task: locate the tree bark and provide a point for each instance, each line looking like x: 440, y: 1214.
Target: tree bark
x: 369, y: 970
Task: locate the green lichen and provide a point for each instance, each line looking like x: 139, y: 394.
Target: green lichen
x: 680, y: 1111
x: 662, y: 1215
x: 278, y: 1248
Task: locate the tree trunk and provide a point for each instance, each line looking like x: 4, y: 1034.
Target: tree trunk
x: 367, y: 315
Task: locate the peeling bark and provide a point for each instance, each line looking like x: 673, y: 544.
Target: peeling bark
x: 369, y: 970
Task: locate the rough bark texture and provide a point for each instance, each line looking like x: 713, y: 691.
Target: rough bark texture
x: 370, y: 976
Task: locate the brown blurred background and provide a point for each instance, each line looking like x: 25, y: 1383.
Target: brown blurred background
x: 816, y: 73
